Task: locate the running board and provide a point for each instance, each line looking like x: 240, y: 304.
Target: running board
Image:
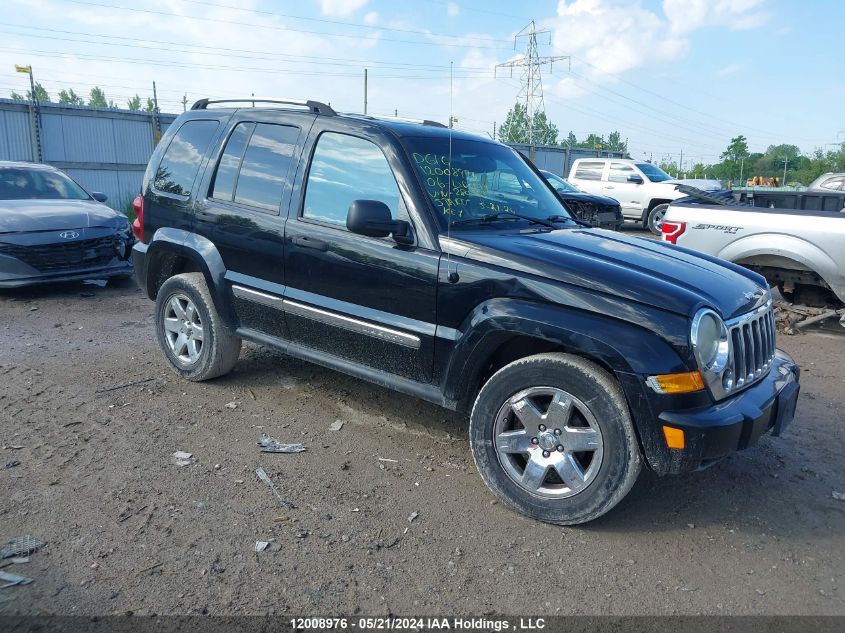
x: 428, y: 392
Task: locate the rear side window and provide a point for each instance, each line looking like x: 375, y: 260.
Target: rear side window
x: 181, y: 162
x: 255, y: 166
x: 834, y: 184
x: 266, y: 164
x: 230, y: 162
x: 589, y: 171
x: 344, y: 169
x: 619, y: 172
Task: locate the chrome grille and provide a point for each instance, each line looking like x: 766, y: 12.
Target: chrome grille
x: 752, y: 345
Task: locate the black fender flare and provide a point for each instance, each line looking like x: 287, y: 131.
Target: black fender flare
x: 199, y: 250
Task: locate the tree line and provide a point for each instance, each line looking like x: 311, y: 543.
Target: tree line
x: 738, y: 164
x: 516, y: 129
x: 96, y: 98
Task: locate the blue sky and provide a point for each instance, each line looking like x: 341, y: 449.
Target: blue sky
x: 670, y: 75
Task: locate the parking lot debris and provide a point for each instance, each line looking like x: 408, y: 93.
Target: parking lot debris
x: 13, y: 579
x: 387, y: 459
x: 838, y: 495
x: 260, y: 546
x: 269, y: 445
x: 336, y: 425
x: 124, y: 385
x: 413, y: 516
x: 12, y: 463
x: 19, y: 560
x: 263, y: 476
x: 791, y: 318
x: 181, y: 458
x: 21, y: 546
x: 232, y: 405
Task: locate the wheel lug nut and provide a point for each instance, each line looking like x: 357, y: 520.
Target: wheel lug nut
x: 542, y: 427
x: 560, y: 448
x: 546, y: 453
x: 557, y: 431
x: 534, y: 440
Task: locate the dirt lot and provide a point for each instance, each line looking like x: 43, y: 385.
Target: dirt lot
x: 127, y: 529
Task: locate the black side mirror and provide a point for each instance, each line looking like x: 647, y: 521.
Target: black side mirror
x: 636, y: 179
x: 372, y: 218
x: 99, y: 197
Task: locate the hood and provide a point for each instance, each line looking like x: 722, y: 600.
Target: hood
x: 635, y: 269
x: 21, y: 216
x: 698, y: 183
x: 588, y: 197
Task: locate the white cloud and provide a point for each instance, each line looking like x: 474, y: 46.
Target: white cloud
x: 617, y: 36
x: 341, y: 7
x: 371, y: 18
x: 730, y: 69
x: 452, y: 9
x: 689, y: 15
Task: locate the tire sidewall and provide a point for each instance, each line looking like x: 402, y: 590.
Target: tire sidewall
x: 651, y: 217
x: 619, y: 456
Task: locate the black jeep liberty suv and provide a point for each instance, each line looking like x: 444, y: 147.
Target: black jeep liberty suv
x: 401, y: 253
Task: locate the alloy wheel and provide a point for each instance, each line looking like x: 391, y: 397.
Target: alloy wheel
x: 548, y: 442
x: 183, y: 329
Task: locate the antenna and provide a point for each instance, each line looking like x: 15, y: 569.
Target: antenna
x: 450, y: 206
x: 531, y: 92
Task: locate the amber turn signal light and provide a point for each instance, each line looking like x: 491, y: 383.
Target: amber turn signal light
x: 676, y: 383
x: 674, y: 437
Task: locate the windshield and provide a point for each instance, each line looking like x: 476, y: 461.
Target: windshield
x: 486, y: 179
x: 17, y: 183
x: 653, y: 172
x: 559, y: 183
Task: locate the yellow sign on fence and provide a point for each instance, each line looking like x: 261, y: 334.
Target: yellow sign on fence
x: 23, y: 69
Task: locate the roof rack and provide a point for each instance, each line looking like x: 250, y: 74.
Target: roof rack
x: 396, y: 118
x: 314, y: 106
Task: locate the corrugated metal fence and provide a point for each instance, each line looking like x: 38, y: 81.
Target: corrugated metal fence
x: 558, y: 160
x: 101, y: 148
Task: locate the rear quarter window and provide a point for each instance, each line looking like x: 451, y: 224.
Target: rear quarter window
x: 589, y: 171
x: 181, y: 161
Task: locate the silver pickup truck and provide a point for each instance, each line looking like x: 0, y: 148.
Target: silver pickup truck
x: 796, y: 240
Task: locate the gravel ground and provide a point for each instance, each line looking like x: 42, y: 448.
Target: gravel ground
x: 390, y: 514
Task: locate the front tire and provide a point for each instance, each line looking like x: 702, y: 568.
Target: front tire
x: 654, y: 221
x: 552, y: 437
x: 190, y: 332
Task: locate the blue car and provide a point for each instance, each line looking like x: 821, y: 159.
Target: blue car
x: 52, y: 230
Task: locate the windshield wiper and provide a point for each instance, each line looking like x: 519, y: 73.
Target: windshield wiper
x: 501, y: 215
x: 566, y: 218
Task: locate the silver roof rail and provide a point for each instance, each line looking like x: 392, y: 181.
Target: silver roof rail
x: 314, y: 106
x: 394, y: 118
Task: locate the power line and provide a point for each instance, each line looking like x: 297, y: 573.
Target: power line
x: 291, y: 56
x: 343, y: 23
x: 270, y: 26
x: 239, y: 69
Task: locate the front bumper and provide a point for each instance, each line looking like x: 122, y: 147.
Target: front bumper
x: 117, y: 268
x: 716, y: 430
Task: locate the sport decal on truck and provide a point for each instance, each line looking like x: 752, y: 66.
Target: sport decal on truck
x: 719, y: 227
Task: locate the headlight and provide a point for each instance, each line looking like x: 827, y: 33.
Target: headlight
x: 710, y: 341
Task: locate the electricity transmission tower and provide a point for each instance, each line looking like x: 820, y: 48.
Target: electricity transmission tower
x: 531, y: 92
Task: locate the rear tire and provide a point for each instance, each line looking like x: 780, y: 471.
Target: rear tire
x: 552, y: 437
x: 654, y: 221
x: 190, y: 332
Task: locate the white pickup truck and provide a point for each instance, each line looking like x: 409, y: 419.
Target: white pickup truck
x: 796, y: 240
x: 642, y: 189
